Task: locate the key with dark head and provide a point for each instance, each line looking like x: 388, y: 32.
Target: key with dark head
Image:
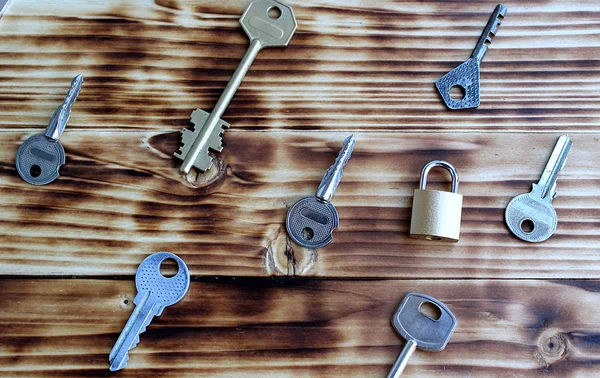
x: 40, y: 157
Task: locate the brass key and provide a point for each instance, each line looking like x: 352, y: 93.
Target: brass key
x: 268, y: 23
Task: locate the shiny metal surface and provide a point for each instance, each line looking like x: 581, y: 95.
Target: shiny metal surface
x: 40, y: 157
x: 467, y: 75
x: 531, y: 216
x: 61, y: 116
x: 333, y: 176
x: 4, y: 6
x: 263, y: 30
x: 311, y: 221
x: 420, y: 330
x: 155, y: 292
x: 436, y: 214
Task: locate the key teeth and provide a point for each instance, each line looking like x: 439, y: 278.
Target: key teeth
x: 216, y: 139
x: 215, y: 142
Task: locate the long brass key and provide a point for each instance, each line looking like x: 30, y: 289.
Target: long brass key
x: 268, y: 23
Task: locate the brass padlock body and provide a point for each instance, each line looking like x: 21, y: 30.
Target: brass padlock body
x: 436, y: 215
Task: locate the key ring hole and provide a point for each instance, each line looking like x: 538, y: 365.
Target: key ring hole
x: 527, y: 226
x: 458, y: 92
x: 308, y: 233
x: 430, y: 310
x: 35, y: 170
x: 274, y: 13
x: 169, y: 268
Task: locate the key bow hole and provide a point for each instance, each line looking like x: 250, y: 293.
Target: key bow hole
x: 35, y: 171
x: 527, y: 226
x: 169, y: 268
x: 274, y: 13
x: 458, y: 92
x: 430, y: 310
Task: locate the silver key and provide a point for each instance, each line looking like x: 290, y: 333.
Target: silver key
x: 4, y: 6
x: 268, y: 23
x: 155, y: 292
x: 421, y: 330
x: 531, y: 216
x: 40, y: 157
x: 311, y: 221
x: 466, y: 76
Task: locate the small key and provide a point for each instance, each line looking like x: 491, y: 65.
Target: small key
x: 268, y: 23
x: 531, y: 216
x: 421, y: 330
x: 467, y: 75
x: 155, y: 292
x: 310, y: 221
x: 40, y: 157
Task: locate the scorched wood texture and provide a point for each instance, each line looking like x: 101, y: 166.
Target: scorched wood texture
x: 259, y: 305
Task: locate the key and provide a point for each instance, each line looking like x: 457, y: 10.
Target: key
x: 311, y: 221
x: 40, y: 157
x: 155, y: 292
x: 268, y: 23
x: 530, y: 216
x: 466, y: 76
x: 421, y: 330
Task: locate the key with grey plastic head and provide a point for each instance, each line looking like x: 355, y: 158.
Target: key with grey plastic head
x: 531, y: 216
x: 268, y: 23
x: 420, y: 329
x: 155, y: 292
x: 311, y: 221
x: 467, y: 76
x: 40, y: 157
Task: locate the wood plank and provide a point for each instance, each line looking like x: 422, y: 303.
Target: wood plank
x: 299, y: 328
x: 359, y: 65
x: 121, y: 197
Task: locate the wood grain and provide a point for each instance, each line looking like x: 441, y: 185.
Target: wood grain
x: 300, y: 328
x: 259, y: 305
x: 358, y: 65
x: 121, y: 197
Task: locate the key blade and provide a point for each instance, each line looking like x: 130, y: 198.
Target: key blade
x: 333, y: 176
x: 547, y: 184
x: 146, y: 308
x: 62, y: 114
x: 489, y: 32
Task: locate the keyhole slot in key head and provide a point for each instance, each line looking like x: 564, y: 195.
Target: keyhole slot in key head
x: 274, y: 13
x: 308, y: 233
x: 458, y: 92
x: 35, y: 170
x: 169, y: 268
x: 527, y: 226
x: 430, y: 310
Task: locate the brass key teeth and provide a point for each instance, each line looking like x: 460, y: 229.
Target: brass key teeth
x: 215, y: 143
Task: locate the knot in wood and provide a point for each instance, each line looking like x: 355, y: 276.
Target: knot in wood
x: 553, y: 346
x: 216, y: 173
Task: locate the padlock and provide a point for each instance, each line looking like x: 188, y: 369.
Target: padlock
x: 436, y: 214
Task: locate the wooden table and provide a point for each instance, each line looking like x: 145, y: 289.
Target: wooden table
x: 259, y: 305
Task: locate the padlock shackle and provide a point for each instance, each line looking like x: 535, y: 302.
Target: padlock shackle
x: 442, y: 164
